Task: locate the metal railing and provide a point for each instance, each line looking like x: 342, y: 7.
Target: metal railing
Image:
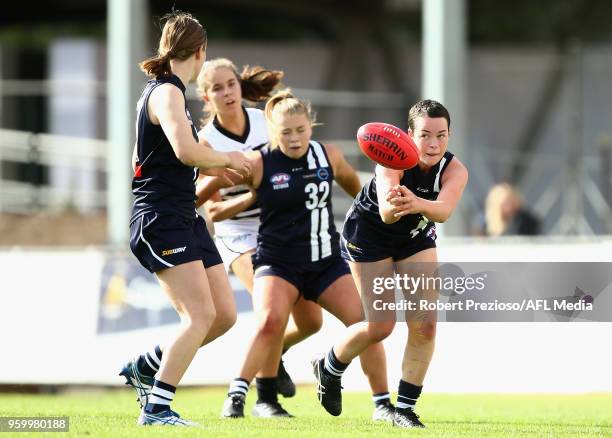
x: 71, y: 157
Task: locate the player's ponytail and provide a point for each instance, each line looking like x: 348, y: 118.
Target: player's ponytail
x: 257, y: 82
x: 284, y: 102
x: 156, y: 66
x: 182, y: 36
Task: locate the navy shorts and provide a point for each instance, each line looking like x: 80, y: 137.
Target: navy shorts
x: 311, y: 279
x: 367, y: 252
x: 161, y: 241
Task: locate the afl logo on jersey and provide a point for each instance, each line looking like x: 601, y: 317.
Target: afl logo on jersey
x: 322, y: 174
x: 280, y: 181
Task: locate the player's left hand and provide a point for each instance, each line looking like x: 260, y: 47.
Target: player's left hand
x: 230, y: 177
x: 240, y: 163
x: 403, y: 201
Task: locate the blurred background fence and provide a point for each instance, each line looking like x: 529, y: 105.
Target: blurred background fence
x: 539, y: 120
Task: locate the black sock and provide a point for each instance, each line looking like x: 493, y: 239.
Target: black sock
x: 161, y: 396
x: 407, y: 395
x: 381, y: 398
x: 266, y: 390
x: 148, y: 363
x: 332, y: 366
x: 281, y: 366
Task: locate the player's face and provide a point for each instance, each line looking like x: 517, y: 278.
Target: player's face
x: 431, y: 138
x: 224, y: 93
x: 293, y: 132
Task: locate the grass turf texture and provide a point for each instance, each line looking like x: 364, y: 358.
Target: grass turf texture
x: 114, y: 413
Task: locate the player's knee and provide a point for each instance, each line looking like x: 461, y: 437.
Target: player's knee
x: 199, y: 318
x: 310, y: 326
x: 379, y: 331
x: 429, y: 331
x: 199, y: 327
x: 424, y: 332
x: 353, y: 317
x: 226, y: 318
x: 271, y: 324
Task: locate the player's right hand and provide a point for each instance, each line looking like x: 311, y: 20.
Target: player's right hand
x: 403, y: 200
x: 240, y: 163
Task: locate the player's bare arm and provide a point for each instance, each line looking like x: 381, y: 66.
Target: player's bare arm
x: 209, y: 185
x: 166, y: 108
x: 256, y: 166
x: 386, y: 179
x: 454, y: 181
x: 219, y: 210
x: 344, y: 174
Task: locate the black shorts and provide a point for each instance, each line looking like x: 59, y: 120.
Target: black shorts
x: 367, y: 252
x: 161, y: 241
x: 311, y: 279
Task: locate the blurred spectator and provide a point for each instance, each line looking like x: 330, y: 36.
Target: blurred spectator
x: 506, y: 215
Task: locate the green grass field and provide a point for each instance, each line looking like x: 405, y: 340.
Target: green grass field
x: 114, y: 413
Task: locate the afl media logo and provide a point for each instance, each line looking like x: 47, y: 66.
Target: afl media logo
x: 280, y: 181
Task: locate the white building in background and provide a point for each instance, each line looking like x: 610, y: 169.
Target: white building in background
x: 74, y: 71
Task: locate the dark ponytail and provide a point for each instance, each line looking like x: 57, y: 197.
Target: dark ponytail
x: 156, y: 66
x: 257, y: 82
x: 182, y: 36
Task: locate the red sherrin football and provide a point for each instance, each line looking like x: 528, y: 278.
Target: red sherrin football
x: 388, y: 146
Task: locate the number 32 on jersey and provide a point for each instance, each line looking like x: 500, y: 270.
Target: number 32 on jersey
x: 320, y: 239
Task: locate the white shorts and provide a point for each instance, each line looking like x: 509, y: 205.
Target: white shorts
x: 232, y: 247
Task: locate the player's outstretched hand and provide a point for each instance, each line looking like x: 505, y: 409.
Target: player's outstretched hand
x: 240, y: 163
x: 403, y: 201
x: 229, y: 177
x: 233, y: 177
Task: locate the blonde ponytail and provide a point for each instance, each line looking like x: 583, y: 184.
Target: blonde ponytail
x: 278, y: 97
x: 284, y: 102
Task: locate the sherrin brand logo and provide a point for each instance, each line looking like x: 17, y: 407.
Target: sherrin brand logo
x: 383, y: 141
x: 166, y: 252
x: 280, y: 181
